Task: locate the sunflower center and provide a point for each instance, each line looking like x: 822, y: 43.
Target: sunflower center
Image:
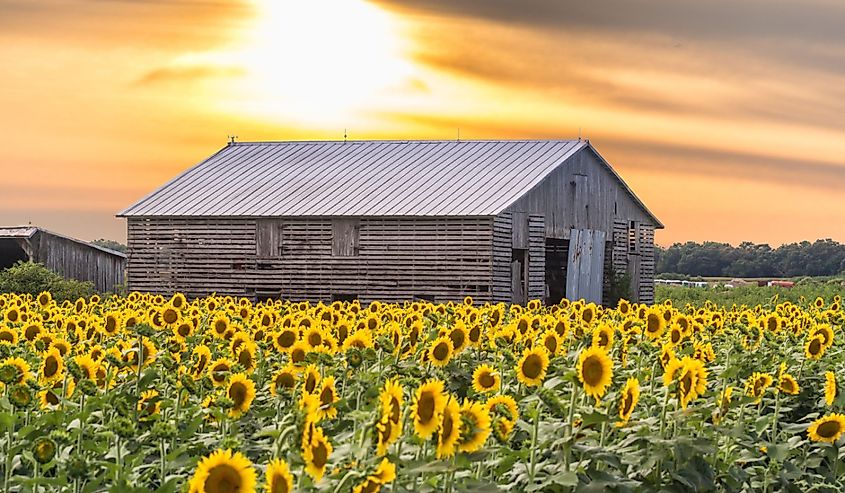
x: 245, y: 359
x: 446, y: 430
x: 652, y: 323
x: 593, y: 371
x: 486, y: 380
x: 425, y: 408
x: 829, y: 429
x: 286, y: 339
x: 220, y: 326
x: 310, y: 383
x: 51, y: 366
x: 458, y: 337
x: 315, y: 339
x: 279, y: 484
x: 223, y: 479
x: 394, y: 410
x: 685, y: 382
x: 184, y: 330
x: 170, y: 316
x: 441, y: 351
x: 533, y: 366
x: 237, y: 392
x: 551, y: 344
x: 285, y: 380
x: 321, y: 455
x: 815, y: 346
x: 627, y: 404
x: 326, y: 396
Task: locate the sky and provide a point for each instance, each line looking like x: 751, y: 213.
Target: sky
x: 727, y: 118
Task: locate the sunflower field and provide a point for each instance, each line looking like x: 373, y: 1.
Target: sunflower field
x: 149, y: 393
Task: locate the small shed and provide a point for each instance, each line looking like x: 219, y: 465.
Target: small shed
x: 501, y: 220
x: 68, y: 257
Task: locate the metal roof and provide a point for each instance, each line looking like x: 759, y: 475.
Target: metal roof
x: 358, y: 178
x: 29, y: 231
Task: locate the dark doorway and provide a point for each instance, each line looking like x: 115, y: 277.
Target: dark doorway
x: 519, y: 275
x: 11, y: 252
x: 557, y: 253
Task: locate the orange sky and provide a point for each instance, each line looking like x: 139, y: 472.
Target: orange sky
x: 727, y: 119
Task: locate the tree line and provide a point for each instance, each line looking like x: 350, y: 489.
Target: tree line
x: 712, y: 259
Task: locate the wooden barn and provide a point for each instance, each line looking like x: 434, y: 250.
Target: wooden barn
x: 68, y: 257
x: 499, y: 221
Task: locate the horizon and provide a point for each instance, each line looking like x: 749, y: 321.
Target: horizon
x: 729, y: 128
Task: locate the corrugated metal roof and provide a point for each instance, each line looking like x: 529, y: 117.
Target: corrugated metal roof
x: 29, y: 232
x: 358, y: 178
x: 17, y: 231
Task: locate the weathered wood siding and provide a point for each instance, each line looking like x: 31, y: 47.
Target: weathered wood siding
x: 581, y: 194
x: 397, y: 258
x: 518, y: 231
x: 76, y: 260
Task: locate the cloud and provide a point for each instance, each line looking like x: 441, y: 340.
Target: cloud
x: 188, y: 74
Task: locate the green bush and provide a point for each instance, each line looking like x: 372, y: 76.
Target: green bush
x: 32, y: 278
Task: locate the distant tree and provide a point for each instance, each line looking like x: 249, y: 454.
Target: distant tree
x: 110, y: 244
x: 820, y: 258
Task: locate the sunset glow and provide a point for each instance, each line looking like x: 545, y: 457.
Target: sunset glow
x: 728, y: 129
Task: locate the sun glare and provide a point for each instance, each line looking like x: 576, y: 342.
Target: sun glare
x: 316, y: 61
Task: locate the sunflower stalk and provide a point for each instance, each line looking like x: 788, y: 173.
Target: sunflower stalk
x: 538, y: 409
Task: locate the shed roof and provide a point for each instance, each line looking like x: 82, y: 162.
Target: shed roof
x: 29, y: 231
x: 359, y: 178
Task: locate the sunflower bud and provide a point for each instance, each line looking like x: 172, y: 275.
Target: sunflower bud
x: 20, y: 396
x: 224, y: 402
x: 115, y: 361
x: 354, y: 358
x: 168, y: 362
x: 43, y: 449
x: 144, y: 330
x: 77, y: 467
x: 75, y: 370
x: 188, y: 384
x: 230, y: 443
x: 9, y: 373
x: 87, y: 386
x: 163, y: 430
x: 40, y: 345
x: 61, y: 436
x: 123, y: 427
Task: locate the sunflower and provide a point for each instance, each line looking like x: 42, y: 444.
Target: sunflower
x: 459, y: 336
x: 310, y: 379
x: 62, y: 345
x: 676, y: 335
x: 8, y: 335
x: 449, y: 430
x: 829, y: 388
x: 285, y: 339
x: 149, y: 405
x: 475, y: 426
x: 814, y: 348
x: 241, y: 391
x: 283, y: 379
x: 44, y: 298
x: 628, y: 400
x: 485, y: 379
x: 757, y: 384
x: 391, y: 401
x: 279, y: 477
x: 169, y: 315
x: 623, y: 307
x: 17, y: 369
x: 203, y: 356
x: 219, y: 326
x: 219, y: 371
x: 49, y: 397
x: 692, y: 380
x: 52, y: 368
x: 787, y: 384
x: 440, y: 351
x: 827, y: 428
x: 825, y: 331
x: 223, y: 472
x: 427, y: 407
x: 532, y: 366
x: 504, y: 413
x: 595, y: 370
x: 316, y: 453
x: 655, y: 324
x: 385, y: 473
x: 327, y: 397
x: 245, y: 356
x: 552, y: 342
x: 86, y: 365
x: 183, y: 330
x: 603, y: 336
x: 32, y: 331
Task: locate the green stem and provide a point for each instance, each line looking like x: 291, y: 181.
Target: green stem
x: 534, y: 432
x: 139, y: 358
x: 163, y: 463
x: 568, y: 444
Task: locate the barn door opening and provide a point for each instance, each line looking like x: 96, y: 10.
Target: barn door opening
x: 519, y: 275
x: 557, y: 255
x: 585, y: 265
x: 10, y: 253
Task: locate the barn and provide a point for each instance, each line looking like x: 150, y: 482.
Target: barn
x: 497, y: 220
x: 66, y: 256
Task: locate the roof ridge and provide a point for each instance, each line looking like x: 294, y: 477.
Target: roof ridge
x: 397, y: 141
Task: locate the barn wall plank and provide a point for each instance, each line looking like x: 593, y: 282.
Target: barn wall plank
x: 398, y: 258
